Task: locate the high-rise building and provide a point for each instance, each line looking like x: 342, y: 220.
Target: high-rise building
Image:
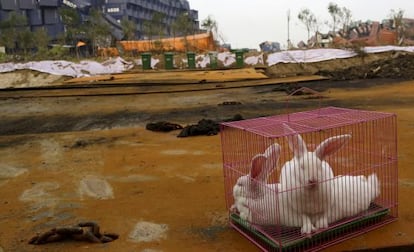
x: 45, y: 13
x: 141, y: 12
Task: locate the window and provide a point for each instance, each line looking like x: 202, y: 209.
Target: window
x: 112, y: 10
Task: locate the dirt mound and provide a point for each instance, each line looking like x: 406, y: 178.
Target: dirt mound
x: 390, y: 65
x: 398, y: 66
x: 29, y: 78
x: 295, y: 69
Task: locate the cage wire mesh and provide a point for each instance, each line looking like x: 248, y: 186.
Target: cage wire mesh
x: 308, y: 180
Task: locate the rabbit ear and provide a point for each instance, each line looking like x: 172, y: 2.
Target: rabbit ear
x: 331, y: 145
x: 264, y: 164
x: 295, y: 141
x: 258, y: 164
x: 272, y: 154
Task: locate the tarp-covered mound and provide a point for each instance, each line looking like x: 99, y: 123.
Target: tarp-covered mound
x: 224, y: 59
x: 318, y: 55
x: 67, y: 68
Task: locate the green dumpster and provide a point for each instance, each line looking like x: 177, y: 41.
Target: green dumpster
x: 191, y: 60
x: 213, y: 60
x: 146, y: 61
x: 239, y: 58
x: 169, y: 60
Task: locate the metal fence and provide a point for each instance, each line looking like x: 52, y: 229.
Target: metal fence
x: 307, y: 180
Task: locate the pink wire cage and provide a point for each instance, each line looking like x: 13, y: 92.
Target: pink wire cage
x: 361, y: 192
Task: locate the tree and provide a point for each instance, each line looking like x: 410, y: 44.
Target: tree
x: 41, y: 40
x: 346, y: 19
x: 98, y: 31
x: 308, y: 19
x: 158, y: 23
x: 11, y: 29
x: 336, y: 14
x: 128, y: 28
x: 73, y: 25
x: 183, y: 25
x: 25, y: 40
x: 209, y: 24
x: 155, y: 26
x: 398, y: 22
x: 147, y: 29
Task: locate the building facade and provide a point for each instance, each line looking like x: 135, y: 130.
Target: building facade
x: 45, y: 13
x: 141, y: 11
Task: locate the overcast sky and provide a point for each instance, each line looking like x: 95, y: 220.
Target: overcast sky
x: 247, y: 23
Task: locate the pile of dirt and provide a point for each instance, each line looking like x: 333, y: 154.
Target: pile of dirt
x: 298, y: 69
x: 398, y: 66
x: 389, y: 65
x: 29, y: 78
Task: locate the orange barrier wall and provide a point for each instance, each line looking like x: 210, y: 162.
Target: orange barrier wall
x: 108, y: 52
x: 197, y: 42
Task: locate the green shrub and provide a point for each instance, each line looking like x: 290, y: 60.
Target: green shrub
x: 58, y: 52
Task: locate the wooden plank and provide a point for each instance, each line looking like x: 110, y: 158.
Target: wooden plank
x: 176, y: 77
x: 130, y: 89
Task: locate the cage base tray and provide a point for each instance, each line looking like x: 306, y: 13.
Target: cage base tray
x: 303, y: 241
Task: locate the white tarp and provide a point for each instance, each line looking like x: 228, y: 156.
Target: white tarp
x: 227, y: 58
x: 202, y: 61
x: 67, y: 68
x: 379, y: 49
x: 312, y: 55
x: 317, y: 55
x: 254, y: 60
x: 119, y: 65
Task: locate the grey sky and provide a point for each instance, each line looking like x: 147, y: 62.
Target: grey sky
x: 247, y: 23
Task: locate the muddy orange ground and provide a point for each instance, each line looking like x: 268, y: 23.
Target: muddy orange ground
x: 175, y: 183
x: 174, y: 76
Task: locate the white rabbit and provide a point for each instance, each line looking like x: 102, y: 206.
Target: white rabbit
x: 352, y: 195
x: 307, y: 177
x: 258, y: 202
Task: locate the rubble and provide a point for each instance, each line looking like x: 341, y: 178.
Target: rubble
x: 206, y: 127
x: 399, y: 66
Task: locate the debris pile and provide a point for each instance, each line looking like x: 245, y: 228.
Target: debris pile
x: 400, y: 66
x: 205, y: 127
x: 163, y: 126
x: 84, y: 231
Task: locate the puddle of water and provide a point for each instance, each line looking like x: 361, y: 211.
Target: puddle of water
x: 134, y: 178
x: 174, y: 152
x: 148, y: 232
x: 96, y: 188
x: 39, y: 192
x: 51, y: 153
x: 8, y: 171
x: 212, y: 166
x: 406, y: 182
x: 181, y: 152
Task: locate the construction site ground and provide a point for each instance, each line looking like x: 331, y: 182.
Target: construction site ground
x: 72, y: 158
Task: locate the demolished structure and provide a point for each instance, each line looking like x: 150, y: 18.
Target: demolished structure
x: 367, y: 34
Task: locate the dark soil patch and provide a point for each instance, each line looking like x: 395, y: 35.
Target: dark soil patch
x: 15, y: 141
x: 163, y: 126
x: 206, y: 127
x: 82, y: 143
x: 64, y: 123
x: 15, y: 125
